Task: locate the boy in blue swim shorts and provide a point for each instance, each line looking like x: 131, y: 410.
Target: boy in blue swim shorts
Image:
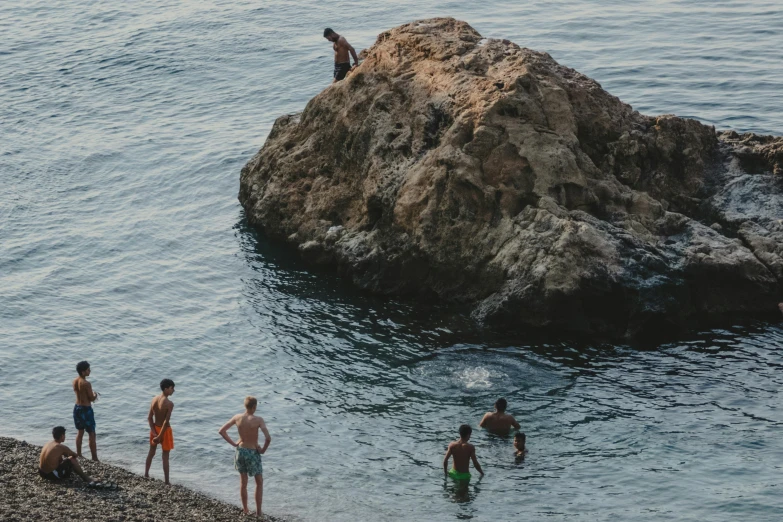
x: 83, y: 417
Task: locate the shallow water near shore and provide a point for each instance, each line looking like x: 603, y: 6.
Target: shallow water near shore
x: 121, y: 241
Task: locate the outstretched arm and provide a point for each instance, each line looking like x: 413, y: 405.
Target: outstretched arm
x: 475, y: 461
x: 515, y: 423
x: 267, y: 437
x: 446, y: 460
x: 224, y: 431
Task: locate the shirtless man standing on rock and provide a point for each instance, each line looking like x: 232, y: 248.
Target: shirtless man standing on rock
x: 58, y: 460
x: 342, y: 64
x: 160, y: 429
x: 247, y: 459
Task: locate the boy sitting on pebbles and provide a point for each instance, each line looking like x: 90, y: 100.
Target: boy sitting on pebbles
x: 58, y: 460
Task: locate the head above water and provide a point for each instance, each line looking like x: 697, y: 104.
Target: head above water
x: 82, y: 367
x: 501, y: 405
x: 330, y: 35
x: 167, y: 386
x: 250, y: 403
x: 58, y: 433
x: 465, y: 431
x: 519, y: 438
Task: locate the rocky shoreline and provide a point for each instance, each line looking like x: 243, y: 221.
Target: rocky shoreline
x: 26, y: 496
x: 458, y: 169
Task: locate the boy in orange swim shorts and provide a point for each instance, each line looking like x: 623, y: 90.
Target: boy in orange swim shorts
x: 160, y: 428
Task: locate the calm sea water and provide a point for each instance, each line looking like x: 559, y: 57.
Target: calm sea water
x: 124, y: 126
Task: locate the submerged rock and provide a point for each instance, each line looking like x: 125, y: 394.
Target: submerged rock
x: 474, y: 171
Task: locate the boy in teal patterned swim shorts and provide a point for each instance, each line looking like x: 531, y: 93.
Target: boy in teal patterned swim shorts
x: 247, y: 459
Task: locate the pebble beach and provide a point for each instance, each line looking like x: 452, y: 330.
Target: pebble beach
x: 26, y: 496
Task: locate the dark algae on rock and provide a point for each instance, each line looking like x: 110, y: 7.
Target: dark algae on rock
x: 474, y: 171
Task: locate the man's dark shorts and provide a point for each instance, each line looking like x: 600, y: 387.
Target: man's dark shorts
x: 62, y: 472
x: 83, y: 418
x: 341, y: 69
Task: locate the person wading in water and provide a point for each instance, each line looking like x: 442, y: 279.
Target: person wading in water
x: 342, y: 63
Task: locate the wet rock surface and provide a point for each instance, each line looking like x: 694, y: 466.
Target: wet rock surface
x: 473, y: 171
x: 26, y: 496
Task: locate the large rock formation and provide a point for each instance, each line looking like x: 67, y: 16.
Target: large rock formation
x: 474, y: 171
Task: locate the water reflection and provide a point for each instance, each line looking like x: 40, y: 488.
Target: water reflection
x: 371, y: 370
x: 462, y: 492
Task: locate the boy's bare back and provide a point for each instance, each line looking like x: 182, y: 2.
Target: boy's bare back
x: 83, y: 390
x: 499, y: 422
x: 52, y: 454
x: 461, y: 452
x: 161, y: 408
x: 248, y: 426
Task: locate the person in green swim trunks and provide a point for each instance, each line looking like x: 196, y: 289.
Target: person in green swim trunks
x: 462, y: 452
x: 247, y: 458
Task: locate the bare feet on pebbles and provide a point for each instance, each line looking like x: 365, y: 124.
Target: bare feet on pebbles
x: 122, y: 495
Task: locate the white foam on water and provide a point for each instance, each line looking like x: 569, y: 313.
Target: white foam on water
x: 478, y: 378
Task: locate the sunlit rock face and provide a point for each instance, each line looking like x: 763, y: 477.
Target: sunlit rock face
x: 474, y: 171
